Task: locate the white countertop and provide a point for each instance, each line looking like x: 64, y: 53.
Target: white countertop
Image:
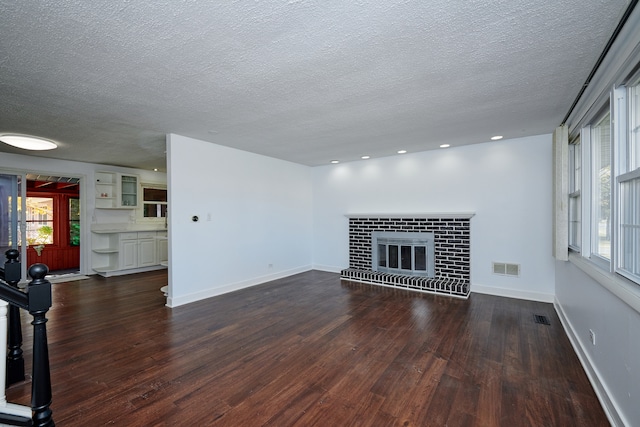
x: 124, y: 228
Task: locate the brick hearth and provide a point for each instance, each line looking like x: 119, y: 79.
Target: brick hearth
x: 452, y: 251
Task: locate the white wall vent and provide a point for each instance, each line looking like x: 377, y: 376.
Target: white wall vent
x: 506, y: 269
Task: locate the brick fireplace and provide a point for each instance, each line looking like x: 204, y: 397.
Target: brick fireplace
x: 452, y: 249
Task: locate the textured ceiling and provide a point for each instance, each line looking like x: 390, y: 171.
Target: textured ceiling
x: 304, y: 81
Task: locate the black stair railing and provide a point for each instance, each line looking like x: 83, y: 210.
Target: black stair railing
x: 15, y: 362
x: 36, y: 300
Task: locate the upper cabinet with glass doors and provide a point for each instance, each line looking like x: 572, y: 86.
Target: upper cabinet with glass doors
x: 128, y: 191
x: 116, y: 190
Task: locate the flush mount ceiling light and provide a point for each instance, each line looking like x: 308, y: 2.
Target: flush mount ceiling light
x: 497, y: 137
x: 445, y: 145
x: 335, y: 161
x: 365, y: 157
x: 402, y: 151
x: 28, y: 142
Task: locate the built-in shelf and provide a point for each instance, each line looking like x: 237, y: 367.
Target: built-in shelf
x: 116, y: 191
x: 105, y: 270
x: 105, y: 251
x: 106, y: 188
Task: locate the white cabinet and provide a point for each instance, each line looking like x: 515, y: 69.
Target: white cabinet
x: 128, y: 191
x: 147, y: 249
x: 116, y: 190
x: 116, y: 252
x: 128, y: 250
x: 162, y: 247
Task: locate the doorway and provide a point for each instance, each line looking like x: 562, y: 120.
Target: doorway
x: 52, y: 219
x: 40, y: 216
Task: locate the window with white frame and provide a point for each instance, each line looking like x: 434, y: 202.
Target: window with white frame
x: 154, y: 203
x: 575, y: 208
x: 575, y: 185
x: 601, y: 188
x: 629, y: 190
x: 633, y: 147
x: 604, y: 185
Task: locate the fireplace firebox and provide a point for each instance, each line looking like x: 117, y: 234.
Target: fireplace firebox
x: 409, y: 254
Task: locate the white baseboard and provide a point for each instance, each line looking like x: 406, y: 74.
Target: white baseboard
x: 208, y: 293
x: 67, y: 278
x: 129, y: 271
x: 328, y: 268
x: 512, y: 293
x: 600, y: 389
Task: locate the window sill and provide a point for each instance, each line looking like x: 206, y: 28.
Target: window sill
x: 625, y: 289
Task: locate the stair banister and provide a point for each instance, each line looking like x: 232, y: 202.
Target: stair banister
x: 15, y: 362
x: 37, y: 300
x: 39, y: 293
x: 14, y: 368
x: 6, y: 407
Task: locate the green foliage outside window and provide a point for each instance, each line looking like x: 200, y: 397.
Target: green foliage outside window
x: 74, y: 222
x: 43, y: 236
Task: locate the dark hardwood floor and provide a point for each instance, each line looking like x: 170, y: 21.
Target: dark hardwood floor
x: 308, y: 350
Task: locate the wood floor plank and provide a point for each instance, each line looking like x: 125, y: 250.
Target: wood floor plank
x: 306, y: 350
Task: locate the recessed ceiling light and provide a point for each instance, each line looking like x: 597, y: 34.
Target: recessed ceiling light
x: 497, y: 137
x: 335, y: 161
x: 402, y: 151
x: 445, y: 145
x: 365, y: 157
x: 28, y: 142
x: 155, y: 169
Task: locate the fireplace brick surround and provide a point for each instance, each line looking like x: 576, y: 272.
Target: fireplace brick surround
x: 452, y: 251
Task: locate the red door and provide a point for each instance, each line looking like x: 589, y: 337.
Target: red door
x: 53, y: 224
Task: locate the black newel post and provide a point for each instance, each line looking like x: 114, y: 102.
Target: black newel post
x: 39, y: 293
x: 15, y: 361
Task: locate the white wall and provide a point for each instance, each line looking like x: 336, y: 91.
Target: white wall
x: 507, y: 184
x: 86, y: 172
x: 260, y: 219
x: 613, y: 363
x: 270, y: 205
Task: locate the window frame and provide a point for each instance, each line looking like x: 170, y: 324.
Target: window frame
x: 52, y: 223
x: 575, y: 194
x: 594, y: 205
x: 142, y: 203
x: 623, y: 103
x: 71, y: 221
x: 629, y: 174
x: 60, y: 218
